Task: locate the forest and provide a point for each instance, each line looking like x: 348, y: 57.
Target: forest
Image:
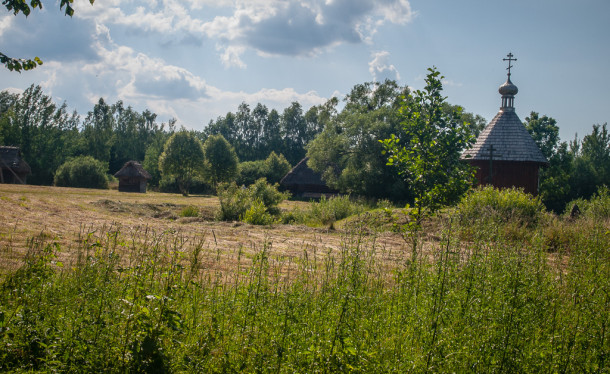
x: 340, y: 138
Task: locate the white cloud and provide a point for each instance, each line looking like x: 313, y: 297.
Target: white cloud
x: 5, y: 23
x: 270, y: 27
x: 381, y: 69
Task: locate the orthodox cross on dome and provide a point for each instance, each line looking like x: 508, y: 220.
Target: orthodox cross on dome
x: 509, y: 59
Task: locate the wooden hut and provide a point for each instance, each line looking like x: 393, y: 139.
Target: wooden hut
x: 132, y: 177
x: 13, y: 168
x: 302, y: 181
x: 505, y: 155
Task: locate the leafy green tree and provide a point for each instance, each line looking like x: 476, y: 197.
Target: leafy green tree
x: 22, y: 6
x: 82, y: 172
x: 220, y: 160
x: 294, y: 131
x: 46, y: 133
x: 347, y: 152
x: 154, y: 150
x: 98, y: 131
x: 271, y: 137
x: 182, y: 158
x: 556, y: 179
x: 428, y: 157
x: 276, y: 167
x: 544, y: 131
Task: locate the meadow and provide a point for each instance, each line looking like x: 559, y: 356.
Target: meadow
x: 101, y: 281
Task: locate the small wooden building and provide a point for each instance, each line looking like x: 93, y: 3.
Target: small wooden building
x: 13, y: 168
x: 132, y: 177
x: 505, y: 155
x: 302, y: 181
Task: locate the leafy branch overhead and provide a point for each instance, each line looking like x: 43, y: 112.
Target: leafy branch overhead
x: 22, y: 6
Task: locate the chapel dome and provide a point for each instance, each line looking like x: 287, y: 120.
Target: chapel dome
x: 508, y: 88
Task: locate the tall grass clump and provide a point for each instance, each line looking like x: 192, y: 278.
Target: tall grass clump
x: 327, y: 211
x: 236, y: 201
x: 596, y: 208
x: 160, y: 302
x: 189, y: 211
x: 491, y: 206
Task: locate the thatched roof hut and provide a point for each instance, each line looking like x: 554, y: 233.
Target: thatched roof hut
x: 132, y: 177
x: 505, y: 154
x: 13, y: 168
x: 304, y: 182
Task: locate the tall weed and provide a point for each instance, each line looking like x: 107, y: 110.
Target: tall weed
x: 160, y: 302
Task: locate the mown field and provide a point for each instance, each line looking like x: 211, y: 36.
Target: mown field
x: 67, y: 215
x: 102, y: 281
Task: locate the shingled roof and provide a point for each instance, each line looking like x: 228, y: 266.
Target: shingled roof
x: 302, y: 174
x: 509, y: 138
x: 505, y: 138
x: 133, y: 169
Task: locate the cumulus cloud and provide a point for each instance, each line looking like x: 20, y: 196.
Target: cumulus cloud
x: 381, y: 69
x: 270, y: 27
x: 302, y: 28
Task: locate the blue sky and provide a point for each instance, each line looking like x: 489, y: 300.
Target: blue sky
x: 195, y: 60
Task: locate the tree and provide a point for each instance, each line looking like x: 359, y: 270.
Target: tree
x: 276, y: 167
x: 347, y: 152
x: 21, y: 6
x: 544, y: 131
x: 182, y: 158
x: 294, y: 130
x: 220, y: 160
x: 46, y: 133
x: 82, y: 172
x: 428, y: 157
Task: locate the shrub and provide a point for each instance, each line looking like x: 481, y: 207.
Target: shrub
x: 596, y: 208
x: 189, y: 211
x: 489, y: 205
x: 235, y: 201
x: 268, y: 194
x: 82, y: 171
x: 250, y: 171
x: 257, y: 214
x: 325, y: 211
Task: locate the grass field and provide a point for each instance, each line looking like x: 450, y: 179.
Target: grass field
x: 66, y: 215
x: 99, y: 281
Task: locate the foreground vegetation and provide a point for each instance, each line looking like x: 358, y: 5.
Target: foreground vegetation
x: 505, y: 289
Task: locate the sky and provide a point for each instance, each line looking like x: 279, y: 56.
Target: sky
x: 195, y: 60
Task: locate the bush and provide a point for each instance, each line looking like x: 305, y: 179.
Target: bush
x: 189, y: 211
x: 326, y: 211
x: 83, y: 172
x: 489, y: 205
x: 596, y: 208
x: 257, y: 214
x: 250, y: 171
x: 236, y: 201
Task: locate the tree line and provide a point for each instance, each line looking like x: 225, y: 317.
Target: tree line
x: 341, y: 140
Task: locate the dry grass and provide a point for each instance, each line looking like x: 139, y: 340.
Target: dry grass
x: 67, y: 215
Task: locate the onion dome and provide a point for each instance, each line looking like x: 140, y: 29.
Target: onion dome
x: 508, y: 88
